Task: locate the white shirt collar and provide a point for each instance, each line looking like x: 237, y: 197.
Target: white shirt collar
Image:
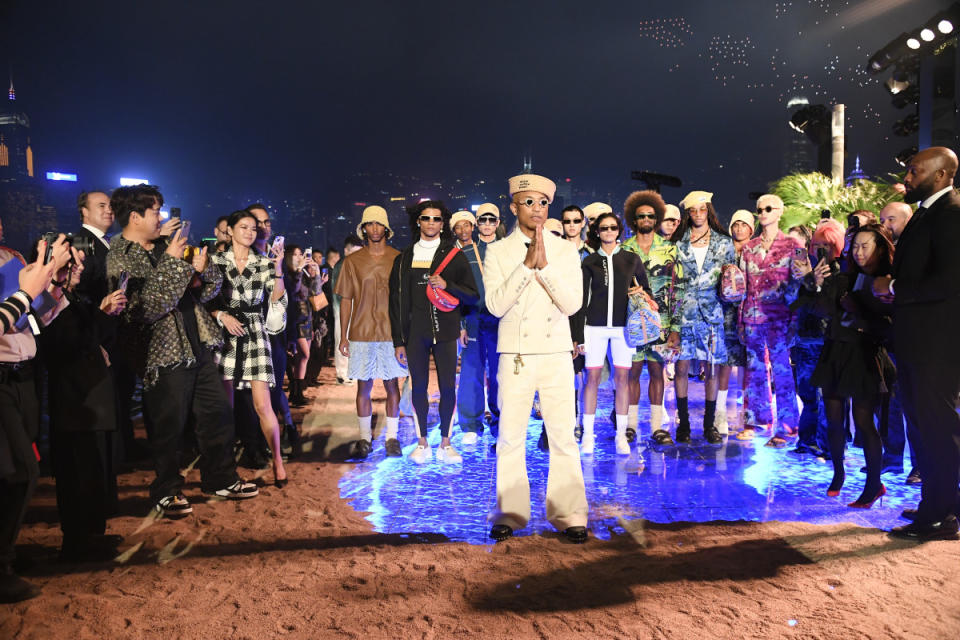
x: 926, y: 204
x: 100, y: 234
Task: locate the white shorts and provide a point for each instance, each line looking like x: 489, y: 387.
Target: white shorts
x: 595, y: 341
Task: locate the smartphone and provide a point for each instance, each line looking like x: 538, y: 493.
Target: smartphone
x: 174, y: 212
x: 277, y: 246
x: 123, y: 280
x: 798, y: 253
x: 821, y: 254
x: 184, y: 228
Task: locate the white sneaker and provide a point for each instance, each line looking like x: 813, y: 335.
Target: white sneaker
x: 470, y: 437
x: 623, y: 447
x: 449, y: 455
x: 720, y: 422
x: 587, y: 443
x: 421, y: 454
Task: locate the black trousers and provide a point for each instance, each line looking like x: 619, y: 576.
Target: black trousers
x: 419, y: 349
x: 19, y: 419
x: 83, y: 466
x: 178, y: 393
x: 929, y: 383
x: 278, y: 399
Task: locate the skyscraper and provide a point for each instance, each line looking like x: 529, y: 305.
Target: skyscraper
x: 16, y: 156
x: 798, y: 157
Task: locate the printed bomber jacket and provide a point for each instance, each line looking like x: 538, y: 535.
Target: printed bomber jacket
x: 701, y: 295
x: 151, y: 327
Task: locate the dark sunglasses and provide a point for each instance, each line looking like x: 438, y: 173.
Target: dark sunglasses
x: 487, y: 220
x: 608, y: 228
x: 529, y: 202
x: 569, y: 221
x: 431, y: 218
x: 767, y: 209
x: 641, y: 216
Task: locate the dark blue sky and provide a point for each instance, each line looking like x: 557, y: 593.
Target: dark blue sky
x: 236, y: 96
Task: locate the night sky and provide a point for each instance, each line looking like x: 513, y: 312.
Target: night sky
x: 209, y: 97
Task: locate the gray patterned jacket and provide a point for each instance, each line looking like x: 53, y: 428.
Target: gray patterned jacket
x: 151, y: 330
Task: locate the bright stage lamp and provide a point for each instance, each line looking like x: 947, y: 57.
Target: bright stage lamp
x: 913, y: 43
x: 927, y: 35
x: 945, y: 26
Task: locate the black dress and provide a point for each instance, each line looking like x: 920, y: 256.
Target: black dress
x: 854, y: 362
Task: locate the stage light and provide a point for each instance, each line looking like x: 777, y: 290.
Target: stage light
x: 927, y: 35
x: 896, y: 83
x: 905, y: 156
x: 913, y: 43
x: 945, y: 26
x: 129, y: 182
x: 906, y: 126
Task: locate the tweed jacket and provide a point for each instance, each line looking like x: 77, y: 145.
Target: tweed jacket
x: 533, y: 306
x: 151, y: 329
x: 701, y: 287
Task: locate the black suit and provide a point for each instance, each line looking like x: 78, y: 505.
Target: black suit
x: 93, y: 281
x: 926, y: 272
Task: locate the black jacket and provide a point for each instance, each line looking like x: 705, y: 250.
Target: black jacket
x: 460, y: 283
x: 626, y: 266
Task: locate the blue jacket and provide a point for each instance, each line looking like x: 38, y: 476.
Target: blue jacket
x: 473, y: 313
x: 701, y: 297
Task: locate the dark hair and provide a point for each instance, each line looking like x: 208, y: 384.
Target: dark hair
x: 638, y: 199
x: 82, y: 200
x: 352, y: 240
x: 331, y: 249
x: 686, y: 223
x: 572, y: 207
x: 257, y: 205
x: 803, y: 230
x: 884, y: 245
x: 139, y: 198
x: 222, y: 219
x: 593, y: 238
x: 239, y: 215
x: 415, y: 211
x: 288, y: 251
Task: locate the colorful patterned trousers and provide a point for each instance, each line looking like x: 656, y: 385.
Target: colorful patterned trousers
x: 772, y: 339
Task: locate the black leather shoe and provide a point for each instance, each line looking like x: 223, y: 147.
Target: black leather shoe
x: 393, y: 449
x: 914, y: 477
x: 711, y: 435
x: 542, y: 443
x: 946, y: 529
x: 362, y: 449
x: 909, y: 514
x: 576, y: 535
x: 501, y: 532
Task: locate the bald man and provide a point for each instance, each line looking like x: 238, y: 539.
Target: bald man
x: 894, y: 217
x: 925, y: 288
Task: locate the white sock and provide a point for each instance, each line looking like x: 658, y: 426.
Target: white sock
x: 722, y: 401
x: 633, y: 417
x: 621, y: 426
x: 393, y: 427
x: 588, y: 419
x: 656, y: 417
x: 365, y: 432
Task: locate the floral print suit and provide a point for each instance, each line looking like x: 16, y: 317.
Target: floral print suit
x: 701, y: 325
x: 666, y: 282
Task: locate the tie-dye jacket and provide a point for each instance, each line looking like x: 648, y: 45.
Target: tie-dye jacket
x: 771, y: 286
x: 701, y: 288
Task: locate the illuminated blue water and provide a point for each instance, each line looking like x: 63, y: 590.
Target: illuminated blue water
x: 698, y: 483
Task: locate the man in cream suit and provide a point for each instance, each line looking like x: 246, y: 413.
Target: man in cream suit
x: 533, y: 284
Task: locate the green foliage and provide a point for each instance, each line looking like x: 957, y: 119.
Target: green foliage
x: 805, y: 195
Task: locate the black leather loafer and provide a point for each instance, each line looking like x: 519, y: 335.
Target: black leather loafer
x: 501, y: 532
x: 576, y: 535
x: 946, y: 529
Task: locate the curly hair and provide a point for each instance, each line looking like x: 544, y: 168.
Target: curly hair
x: 413, y: 213
x: 637, y: 199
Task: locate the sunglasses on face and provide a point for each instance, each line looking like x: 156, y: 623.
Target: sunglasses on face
x: 487, y: 220
x: 529, y: 202
x: 431, y: 218
x: 641, y: 216
x: 609, y: 228
x: 569, y: 221
x: 766, y: 209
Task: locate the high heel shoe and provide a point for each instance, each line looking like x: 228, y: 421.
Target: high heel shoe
x: 280, y: 484
x: 863, y: 504
x: 835, y: 485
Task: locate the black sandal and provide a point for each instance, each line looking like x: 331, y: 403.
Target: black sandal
x: 661, y: 438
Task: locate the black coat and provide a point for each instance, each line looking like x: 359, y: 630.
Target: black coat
x: 626, y: 266
x: 81, y: 388
x: 460, y: 283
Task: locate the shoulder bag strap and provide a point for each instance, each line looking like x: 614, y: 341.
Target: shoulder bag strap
x: 446, y: 260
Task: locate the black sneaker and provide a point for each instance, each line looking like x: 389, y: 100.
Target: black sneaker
x: 173, y: 506
x: 392, y: 447
x: 239, y: 490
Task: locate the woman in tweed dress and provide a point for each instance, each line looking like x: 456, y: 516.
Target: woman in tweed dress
x: 249, y: 281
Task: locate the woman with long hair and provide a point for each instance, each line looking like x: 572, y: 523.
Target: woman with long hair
x: 854, y: 363
x: 703, y: 248
x: 301, y: 279
x: 609, y: 277
x: 250, y: 280
x: 419, y: 328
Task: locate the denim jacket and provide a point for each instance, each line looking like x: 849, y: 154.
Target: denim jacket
x: 701, y: 287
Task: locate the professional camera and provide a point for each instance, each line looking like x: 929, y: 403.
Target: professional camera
x: 80, y: 243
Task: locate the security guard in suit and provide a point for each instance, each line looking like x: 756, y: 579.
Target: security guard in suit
x: 533, y: 284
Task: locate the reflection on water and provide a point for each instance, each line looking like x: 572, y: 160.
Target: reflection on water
x: 694, y: 483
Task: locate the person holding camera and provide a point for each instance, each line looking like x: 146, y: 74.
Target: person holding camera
x: 430, y: 281
x: 169, y: 337
x: 19, y: 407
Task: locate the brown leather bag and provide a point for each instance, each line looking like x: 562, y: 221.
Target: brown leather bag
x: 319, y: 301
